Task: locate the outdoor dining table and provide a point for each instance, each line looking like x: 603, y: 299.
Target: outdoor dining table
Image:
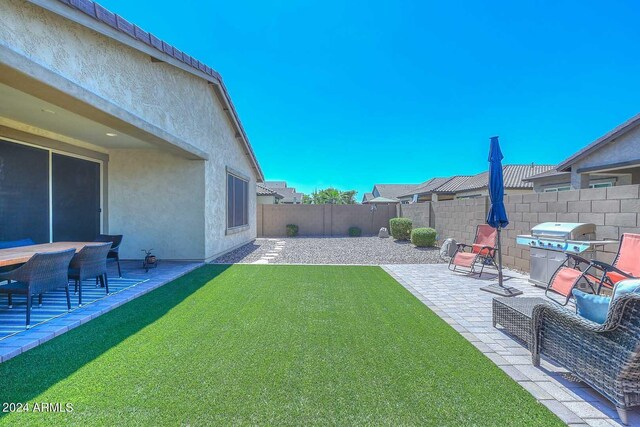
x: 22, y: 254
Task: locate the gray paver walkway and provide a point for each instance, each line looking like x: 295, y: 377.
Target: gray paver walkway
x: 458, y: 300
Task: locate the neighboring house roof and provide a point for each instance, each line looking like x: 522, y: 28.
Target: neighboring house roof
x: 436, y: 185
x: 165, y: 53
x: 392, y: 191
x: 366, y: 197
x: 547, y: 174
x: 264, y: 191
x: 598, y: 143
x: 453, y: 184
x: 290, y: 195
x: 513, y: 176
x: 275, y: 184
x: 426, y: 186
x: 383, y: 200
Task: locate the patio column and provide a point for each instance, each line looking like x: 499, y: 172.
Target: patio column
x: 434, y: 197
x: 579, y: 180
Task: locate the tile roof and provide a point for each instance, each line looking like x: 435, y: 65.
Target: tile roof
x: 118, y: 23
x: 290, y: 195
x: 430, y: 185
x: 264, y: 191
x: 275, y: 184
x: 616, y: 132
x: 437, y: 185
x: 547, y: 174
x: 392, y: 191
x: 513, y: 177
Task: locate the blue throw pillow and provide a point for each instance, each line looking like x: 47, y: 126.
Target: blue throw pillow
x: 625, y: 287
x: 592, y: 307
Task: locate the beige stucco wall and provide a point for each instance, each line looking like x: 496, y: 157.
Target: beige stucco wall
x: 165, y: 96
x: 148, y: 187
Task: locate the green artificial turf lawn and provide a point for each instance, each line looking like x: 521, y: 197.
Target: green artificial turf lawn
x: 278, y: 345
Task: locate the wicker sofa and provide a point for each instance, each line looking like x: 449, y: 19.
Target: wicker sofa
x: 606, y: 357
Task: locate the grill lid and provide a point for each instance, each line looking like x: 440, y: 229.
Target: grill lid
x: 565, y: 230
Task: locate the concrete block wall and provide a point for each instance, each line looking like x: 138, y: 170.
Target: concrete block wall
x: 419, y: 213
x: 322, y: 220
x: 458, y: 218
x: 614, y: 211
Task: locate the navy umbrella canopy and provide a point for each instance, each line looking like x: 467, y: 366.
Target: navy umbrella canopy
x: 497, y: 217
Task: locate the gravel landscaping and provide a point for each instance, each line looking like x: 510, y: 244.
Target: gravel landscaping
x: 331, y: 250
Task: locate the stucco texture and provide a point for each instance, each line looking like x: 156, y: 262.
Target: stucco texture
x: 156, y: 201
x: 175, y: 205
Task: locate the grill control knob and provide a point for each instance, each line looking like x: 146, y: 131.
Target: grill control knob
x: 576, y: 248
x: 533, y: 243
x: 559, y: 245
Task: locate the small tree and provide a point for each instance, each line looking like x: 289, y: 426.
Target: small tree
x: 332, y: 196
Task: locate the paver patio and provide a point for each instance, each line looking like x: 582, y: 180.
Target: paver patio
x: 458, y: 300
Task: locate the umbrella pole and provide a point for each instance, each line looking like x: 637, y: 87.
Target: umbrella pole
x: 500, y: 289
x: 500, y: 259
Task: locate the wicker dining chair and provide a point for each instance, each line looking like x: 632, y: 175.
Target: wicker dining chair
x: 42, y: 273
x: 89, y: 263
x: 605, y: 356
x: 7, y: 244
x: 114, y: 252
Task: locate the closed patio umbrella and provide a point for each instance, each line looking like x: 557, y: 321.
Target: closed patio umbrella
x: 497, y: 217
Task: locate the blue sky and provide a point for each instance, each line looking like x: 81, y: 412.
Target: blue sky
x: 354, y: 93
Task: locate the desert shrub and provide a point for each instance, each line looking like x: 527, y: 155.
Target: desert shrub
x: 400, y: 228
x: 292, y: 230
x: 355, y: 232
x: 423, y: 237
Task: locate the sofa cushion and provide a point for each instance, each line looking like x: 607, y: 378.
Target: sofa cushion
x: 592, y: 307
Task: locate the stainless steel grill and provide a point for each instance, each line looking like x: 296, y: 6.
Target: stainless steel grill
x: 551, y: 241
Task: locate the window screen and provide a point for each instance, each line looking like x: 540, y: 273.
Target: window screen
x: 24, y: 192
x: 237, y: 201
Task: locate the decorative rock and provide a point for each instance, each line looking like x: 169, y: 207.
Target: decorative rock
x: 383, y: 233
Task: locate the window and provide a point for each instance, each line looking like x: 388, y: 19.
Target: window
x: 554, y: 189
x: 237, y: 201
x: 601, y: 185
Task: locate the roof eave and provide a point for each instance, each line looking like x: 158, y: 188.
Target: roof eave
x: 88, y: 14
x: 605, y: 139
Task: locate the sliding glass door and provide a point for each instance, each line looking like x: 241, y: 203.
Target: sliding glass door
x: 24, y: 193
x: 48, y: 196
x: 75, y: 199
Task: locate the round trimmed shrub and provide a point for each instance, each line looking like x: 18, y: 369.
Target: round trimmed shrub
x: 423, y: 237
x: 355, y: 232
x: 292, y: 230
x: 400, y: 228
